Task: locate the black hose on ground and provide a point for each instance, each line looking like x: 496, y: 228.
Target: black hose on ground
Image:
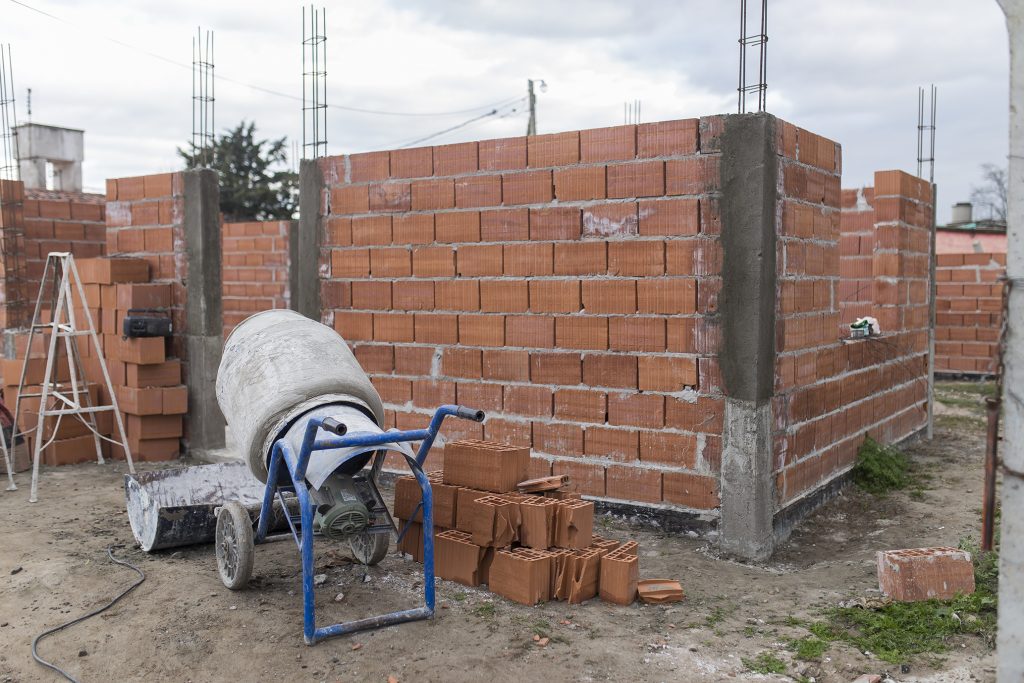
x: 101, y: 610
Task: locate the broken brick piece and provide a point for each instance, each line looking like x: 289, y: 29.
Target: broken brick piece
x: 658, y: 591
x: 537, y: 526
x: 559, y: 558
x: 925, y: 573
x: 580, y: 573
x: 574, y: 524
x: 522, y: 575
x: 485, y: 465
x: 496, y: 522
x: 620, y: 572
x: 457, y: 558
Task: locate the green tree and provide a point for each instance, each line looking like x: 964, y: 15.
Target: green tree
x: 255, y: 183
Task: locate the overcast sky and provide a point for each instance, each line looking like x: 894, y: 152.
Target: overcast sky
x: 847, y: 70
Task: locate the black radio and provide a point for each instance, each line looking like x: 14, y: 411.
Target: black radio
x: 152, y: 323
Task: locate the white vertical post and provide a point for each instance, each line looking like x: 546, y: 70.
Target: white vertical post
x: 1010, y: 643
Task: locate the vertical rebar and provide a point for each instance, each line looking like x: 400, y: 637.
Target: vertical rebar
x: 761, y: 41
x: 314, y: 83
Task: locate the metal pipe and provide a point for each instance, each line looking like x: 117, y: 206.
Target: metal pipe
x: 988, y: 505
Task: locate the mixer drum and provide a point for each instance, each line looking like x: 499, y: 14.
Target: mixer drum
x: 277, y: 365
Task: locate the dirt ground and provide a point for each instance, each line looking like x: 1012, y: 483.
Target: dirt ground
x: 183, y: 625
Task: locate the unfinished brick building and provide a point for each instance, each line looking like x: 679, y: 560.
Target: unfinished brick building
x: 659, y: 311
x: 654, y: 309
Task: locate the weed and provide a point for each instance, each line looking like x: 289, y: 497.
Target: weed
x: 717, y: 616
x: 880, y: 469
x: 485, y: 609
x: 765, y: 663
x: 459, y: 596
x: 749, y: 631
x: 809, y: 648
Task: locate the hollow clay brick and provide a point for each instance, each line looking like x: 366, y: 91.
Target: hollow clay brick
x: 925, y: 573
x: 620, y: 572
x: 457, y: 559
x: 580, y: 575
x: 495, y: 522
x: 522, y: 575
x: 604, y: 545
x: 559, y: 558
x: 485, y: 465
x: 466, y: 508
x: 537, y: 526
x: 574, y: 524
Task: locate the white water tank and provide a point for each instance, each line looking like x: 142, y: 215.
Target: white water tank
x: 962, y: 212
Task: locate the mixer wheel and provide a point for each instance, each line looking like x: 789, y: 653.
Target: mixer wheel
x: 369, y: 548
x: 234, y: 545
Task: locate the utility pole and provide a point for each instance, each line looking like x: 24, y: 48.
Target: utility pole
x: 1010, y: 641
x: 531, y: 127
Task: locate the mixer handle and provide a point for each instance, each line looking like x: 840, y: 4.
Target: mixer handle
x: 332, y: 425
x: 469, y: 414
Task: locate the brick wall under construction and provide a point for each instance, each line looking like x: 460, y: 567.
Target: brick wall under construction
x: 256, y: 266
x: 969, y: 312
x: 568, y: 284
x: 563, y: 283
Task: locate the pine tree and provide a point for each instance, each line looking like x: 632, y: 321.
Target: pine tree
x: 255, y: 183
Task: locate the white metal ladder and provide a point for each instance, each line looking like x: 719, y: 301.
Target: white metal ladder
x: 60, y: 269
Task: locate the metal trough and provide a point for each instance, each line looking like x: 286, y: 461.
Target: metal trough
x: 175, y: 507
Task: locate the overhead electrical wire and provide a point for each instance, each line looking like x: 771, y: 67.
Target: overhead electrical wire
x: 270, y: 91
x: 492, y: 112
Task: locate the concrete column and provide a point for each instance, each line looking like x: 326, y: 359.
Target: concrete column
x: 304, y: 243
x: 1010, y: 643
x: 203, y: 313
x: 748, y: 175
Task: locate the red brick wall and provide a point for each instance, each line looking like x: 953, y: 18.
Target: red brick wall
x: 61, y: 221
x: 145, y: 219
x: 564, y: 283
x: 831, y: 391
x: 856, y: 252
x: 968, y: 316
x: 255, y: 269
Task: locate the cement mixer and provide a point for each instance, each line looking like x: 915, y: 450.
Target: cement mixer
x: 308, y: 423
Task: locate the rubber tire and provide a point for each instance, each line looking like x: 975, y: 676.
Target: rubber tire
x: 358, y: 544
x: 234, y: 542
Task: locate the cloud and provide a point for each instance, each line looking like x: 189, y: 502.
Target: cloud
x: 846, y: 70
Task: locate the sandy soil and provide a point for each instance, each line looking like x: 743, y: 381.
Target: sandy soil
x: 183, y: 625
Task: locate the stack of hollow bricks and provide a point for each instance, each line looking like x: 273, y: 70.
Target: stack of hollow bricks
x: 565, y: 283
x: 255, y: 269
x: 831, y: 391
x: 528, y: 548
x: 145, y: 220
x: 969, y: 312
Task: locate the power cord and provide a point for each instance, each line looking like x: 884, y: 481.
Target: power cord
x: 126, y: 591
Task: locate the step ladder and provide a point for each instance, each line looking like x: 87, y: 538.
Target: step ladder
x: 60, y: 271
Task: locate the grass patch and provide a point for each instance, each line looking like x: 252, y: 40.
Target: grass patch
x: 897, y: 632
x: 983, y: 389
x: 765, y: 663
x: 960, y: 423
x: 485, y: 609
x: 808, y: 649
x: 880, y: 469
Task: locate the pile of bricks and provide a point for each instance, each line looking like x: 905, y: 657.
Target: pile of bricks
x: 66, y: 442
x: 148, y: 385
x: 529, y: 548
x: 150, y: 394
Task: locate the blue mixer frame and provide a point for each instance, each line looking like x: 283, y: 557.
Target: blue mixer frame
x: 296, y: 469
